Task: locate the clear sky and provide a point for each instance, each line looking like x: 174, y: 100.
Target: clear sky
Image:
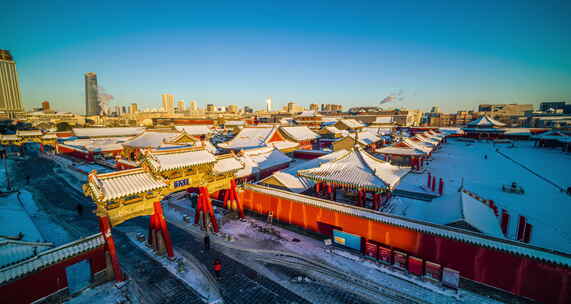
x: 454, y: 53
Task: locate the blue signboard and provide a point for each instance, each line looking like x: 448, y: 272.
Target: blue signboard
x: 181, y: 183
x: 347, y: 239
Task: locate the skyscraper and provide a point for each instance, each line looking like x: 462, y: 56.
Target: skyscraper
x: 193, y: 106
x: 133, y: 108
x: 10, y: 95
x: 168, y: 103
x: 46, y: 106
x: 92, y: 106
x: 269, y: 104
x: 180, y: 105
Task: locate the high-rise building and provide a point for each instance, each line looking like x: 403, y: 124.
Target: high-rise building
x: 269, y: 104
x: 180, y: 106
x: 248, y: 110
x: 193, y: 107
x: 314, y: 107
x: 10, y: 95
x: 210, y: 108
x: 133, y: 108
x: 92, y: 106
x: 232, y: 109
x: 552, y: 105
x: 435, y: 109
x: 46, y: 106
x: 168, y: 103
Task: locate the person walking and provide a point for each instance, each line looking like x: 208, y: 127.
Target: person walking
x: 217, y: 268
x: 206, y: 242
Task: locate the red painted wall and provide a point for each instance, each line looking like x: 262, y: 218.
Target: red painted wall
x: 49, y: 280
x: 523, y: 276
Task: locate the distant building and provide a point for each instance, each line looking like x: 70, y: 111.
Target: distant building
x: 192, y: 107
x: 168, y: 103
x: 547, y: 106
x: 292, y: 107
x: 314, y: 107
x: 92, y: 106
x: 505, y: 109
x: 248, y: 110
x: 435, y: 109
x: 46, y: 106
x: 331, y: 108
x: 210, y: 108
x: 269, y: 104
x: 133, y: 108
x: 10, y: 95
x: 180, y: 106
x: 232, y: 109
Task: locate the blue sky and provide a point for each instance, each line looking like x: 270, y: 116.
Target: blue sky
x: 455, y: 54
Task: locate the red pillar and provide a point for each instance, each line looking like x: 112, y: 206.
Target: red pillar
x: 41, y: 147
x: 162, y: 224
x: 527, y: 233
x: 433, y: 183
x: 505, y: 221
x: 441, y: 186
x: 429, y: 179
x: 105, y: 228
x: 521, y: 228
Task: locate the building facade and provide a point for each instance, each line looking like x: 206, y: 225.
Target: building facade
x: 10, y: 95
x: 168, y: 103
x: 92, y: 106
x: 180, y: 106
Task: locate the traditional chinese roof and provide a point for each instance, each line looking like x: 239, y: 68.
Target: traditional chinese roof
x: 107, y: 132
x: 29, y: 133
x: 110, y: 186
x: 14, y: 251
x: 49, y: 136
x: 308, y: 114
x: 284, y: 145
x: 357, y: 169
x: 553, y: 135
x: 351, y: 123
x: 151, y: 139
x: 96, y: 144
x: 485, y: 122
x: 12, y: 137
x: 400, y: 151
x: 365, y: 138
x: 260, y: 159
x: 49, y: 257
x: 427, y: 140
x: 178, y: 159
x: 480, y: 216
x: 299, y: 133
x: 195, y: 130
x: 227, y: 163
x: 417, y: 145
x: 334, y: 130
x: 383, y: 120
x: 249, y: 138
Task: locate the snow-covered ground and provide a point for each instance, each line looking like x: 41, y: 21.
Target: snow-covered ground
x: 483, y: 171
x: 247, y: 235
x: 109, y: 293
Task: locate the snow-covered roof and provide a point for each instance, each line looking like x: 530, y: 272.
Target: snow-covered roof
x: 16, y: 222
x: 377, y: 130
x: 451, y: 130
x: 249, y: 138
x: 365, y: 138
x: 107, y: 132
x: 177, y: 159
x: 417, y: 145
x: 260, y: 159
x: 226, y: 163
x: 308, y: 114
x: 334, y: 130
x: 49, y: 136
x: 299, y: 133
x: 288, y: 177
x: 49, y: 257
x: 195, y: 130
x: 14, y: 251
x: 359, y: 169
x: 234, y: 123
x: 29, y: 133
x: 480, y: 216
x: 151, y: 139
x: 485, y: 122
x: 13, y: 137
x: 401, y: 151
x: 351, y: 123
x: 428, y: 140
x: 283, y: 144
x: 383, y: 120
x: 553, y: 134
x: 97, y: 144
x: 416, y: 225
x: 110, y: 186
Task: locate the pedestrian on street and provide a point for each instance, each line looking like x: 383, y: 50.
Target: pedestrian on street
x: 217, y: 268
x: 485, y: 156
x: 206, y: 242
x: 79, y: 209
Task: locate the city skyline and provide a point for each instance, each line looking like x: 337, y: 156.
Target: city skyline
x: 439, y: 54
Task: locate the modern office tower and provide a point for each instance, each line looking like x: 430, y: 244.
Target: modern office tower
x: 46, y: 106
x: 269, y: 104
x: 180, y: 105
x: 314, y: 107
x: 10, y: 95
x: 92, y: 106
x: 193, y: 106
x: 168, y: 103
x: 133, y: 108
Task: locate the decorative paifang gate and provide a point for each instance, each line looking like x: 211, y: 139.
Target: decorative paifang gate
x: 127, y: 194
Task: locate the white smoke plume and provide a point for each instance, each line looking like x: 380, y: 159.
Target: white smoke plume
x: 396, y: 96
x: 103, y: 98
